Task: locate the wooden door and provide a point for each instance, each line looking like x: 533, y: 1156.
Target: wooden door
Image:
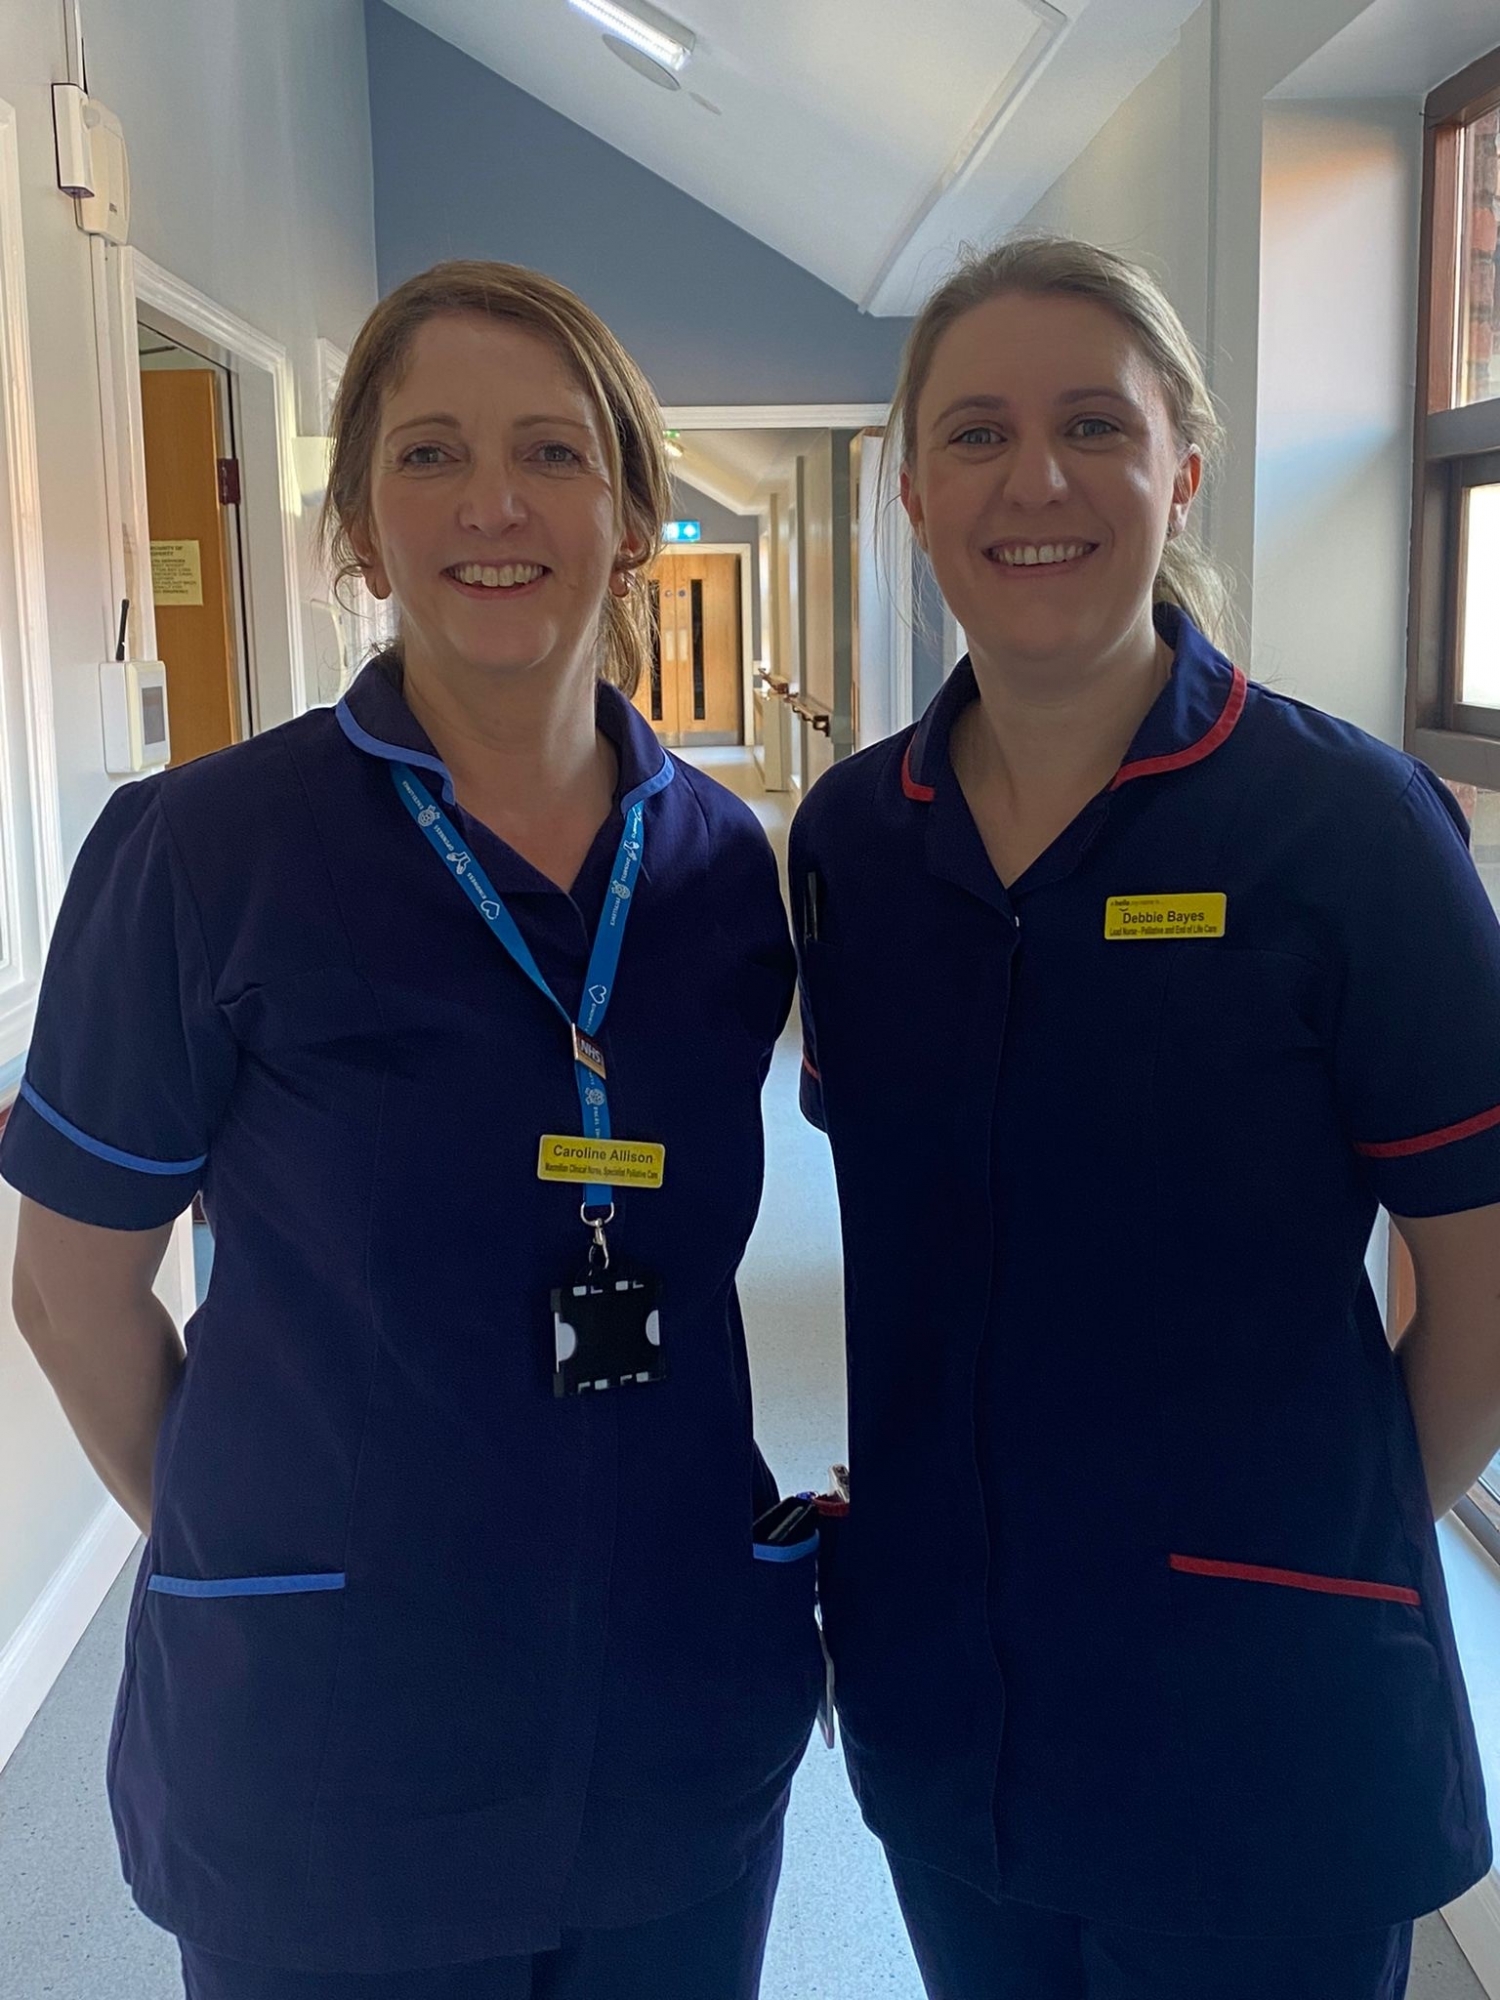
x: 195, y: 631
x: 691, y: 693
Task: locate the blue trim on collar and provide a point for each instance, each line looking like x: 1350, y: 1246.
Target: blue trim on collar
x: 652, y: 786
x: 394, y: 753
x: 636, y: 746
x: 645, y: 768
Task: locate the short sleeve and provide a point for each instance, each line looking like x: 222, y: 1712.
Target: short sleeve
x: 1417, y: 1043
x: 131, y: 1063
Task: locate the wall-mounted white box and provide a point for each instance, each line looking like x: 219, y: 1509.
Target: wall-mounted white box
x: 133, y: 700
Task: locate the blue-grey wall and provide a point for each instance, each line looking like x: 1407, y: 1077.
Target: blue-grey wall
x: 467, y: 165
x: 722, y: 524
x: 928, y: 667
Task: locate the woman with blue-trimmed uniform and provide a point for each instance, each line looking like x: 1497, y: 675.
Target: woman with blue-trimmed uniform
x: 453, y: 1668
x: 1132, y: 990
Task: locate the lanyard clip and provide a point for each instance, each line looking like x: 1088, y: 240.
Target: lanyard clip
x: 599, y: 1248
x: 588, y: 1052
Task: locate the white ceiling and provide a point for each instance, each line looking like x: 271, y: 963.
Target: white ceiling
x: 863, y: 139
x: 738, y: 468
x: 1398, y: 48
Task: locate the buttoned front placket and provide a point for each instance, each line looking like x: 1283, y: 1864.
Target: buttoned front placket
x: 558, y: 925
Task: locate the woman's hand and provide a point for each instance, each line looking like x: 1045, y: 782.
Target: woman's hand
x: 82, y: 1298
x: 1450, y: 1349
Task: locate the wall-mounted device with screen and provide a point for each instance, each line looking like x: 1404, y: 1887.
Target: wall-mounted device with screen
x: 682, y: 531
x: 133, y: 701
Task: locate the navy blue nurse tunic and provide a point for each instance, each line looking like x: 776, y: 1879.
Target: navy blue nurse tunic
x: 424, y: 1663
x: 1138, y: 1612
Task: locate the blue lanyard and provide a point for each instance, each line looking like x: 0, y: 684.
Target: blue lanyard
x: 604, y: 959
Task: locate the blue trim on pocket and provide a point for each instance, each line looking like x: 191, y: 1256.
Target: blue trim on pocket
x: 766, y: 1552
x: 245, y: 1586
x: 97, y: 1147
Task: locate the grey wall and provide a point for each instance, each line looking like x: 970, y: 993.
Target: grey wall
x: 467, y: 165
x: 928, y: 667
x: 248, y: 125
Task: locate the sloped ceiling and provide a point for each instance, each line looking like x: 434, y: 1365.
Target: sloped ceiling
x: 863, y: 139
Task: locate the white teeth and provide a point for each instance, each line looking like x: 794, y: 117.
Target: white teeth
x: 1040, y: 552
x: 504, y: 578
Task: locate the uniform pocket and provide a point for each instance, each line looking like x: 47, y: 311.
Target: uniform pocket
x: 790, y: 1552
x: 1317, y: 1729
x: 783, y: 1639
x: 247, y: 1586
x: 222, y: 1740
x: 1292, y: 1579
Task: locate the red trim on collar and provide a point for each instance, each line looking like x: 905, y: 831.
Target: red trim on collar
x: 923, y: 794
x: 1150, y: 767
x: 1427, y: 1142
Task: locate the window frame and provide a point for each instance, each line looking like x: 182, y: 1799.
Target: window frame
x: 1454, y: 449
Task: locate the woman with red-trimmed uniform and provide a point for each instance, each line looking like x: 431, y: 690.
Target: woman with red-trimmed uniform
x: 1132, y: 991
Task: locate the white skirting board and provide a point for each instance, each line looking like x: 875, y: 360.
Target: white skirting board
x: 1475, y: 1921
x: 41, y: 1648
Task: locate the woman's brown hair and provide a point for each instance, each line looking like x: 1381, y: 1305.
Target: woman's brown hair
x: 1044, y: 266
x: 630, y: 421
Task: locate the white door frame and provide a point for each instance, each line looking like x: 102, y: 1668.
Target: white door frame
x: 31, y: 824
x: 126, y: 282
x: 895, y: 537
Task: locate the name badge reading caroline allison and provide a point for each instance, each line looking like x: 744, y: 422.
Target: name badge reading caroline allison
x: 1190, y: 916
x: 601, y: 1162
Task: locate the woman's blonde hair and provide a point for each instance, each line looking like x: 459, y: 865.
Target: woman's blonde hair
x: 1057, y: 265
x: 630, y: 422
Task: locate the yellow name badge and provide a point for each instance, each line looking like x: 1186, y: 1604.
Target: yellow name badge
x: 1195, y: 916
x: 605, y: 1162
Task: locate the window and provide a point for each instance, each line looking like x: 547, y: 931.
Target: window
x: 1480, y: 1511
x: 1453, y: 679
x: 1453, y: 642
x: 31, y: 870
x: 1476, y: 356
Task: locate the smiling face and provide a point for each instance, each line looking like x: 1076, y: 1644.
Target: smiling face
x: 1044, y: 478
x: 492, y: 520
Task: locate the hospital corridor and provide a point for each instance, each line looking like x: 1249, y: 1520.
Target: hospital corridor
x: 749, y: 1000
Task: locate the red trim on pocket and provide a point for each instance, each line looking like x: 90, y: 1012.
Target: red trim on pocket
x: 809, y: 1068
x: 1427, y: 1142
x: 1151, y: 767
x: 923, y: 794
x: 1296, y: 1579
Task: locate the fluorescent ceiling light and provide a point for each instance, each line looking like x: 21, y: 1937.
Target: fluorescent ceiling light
x: 655, y: 35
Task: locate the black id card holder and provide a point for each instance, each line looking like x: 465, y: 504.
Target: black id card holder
x: 607, y: 1332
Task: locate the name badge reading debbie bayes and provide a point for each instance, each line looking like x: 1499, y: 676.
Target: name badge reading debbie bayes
x: 636, y: 1163
x: 1201, y: 914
